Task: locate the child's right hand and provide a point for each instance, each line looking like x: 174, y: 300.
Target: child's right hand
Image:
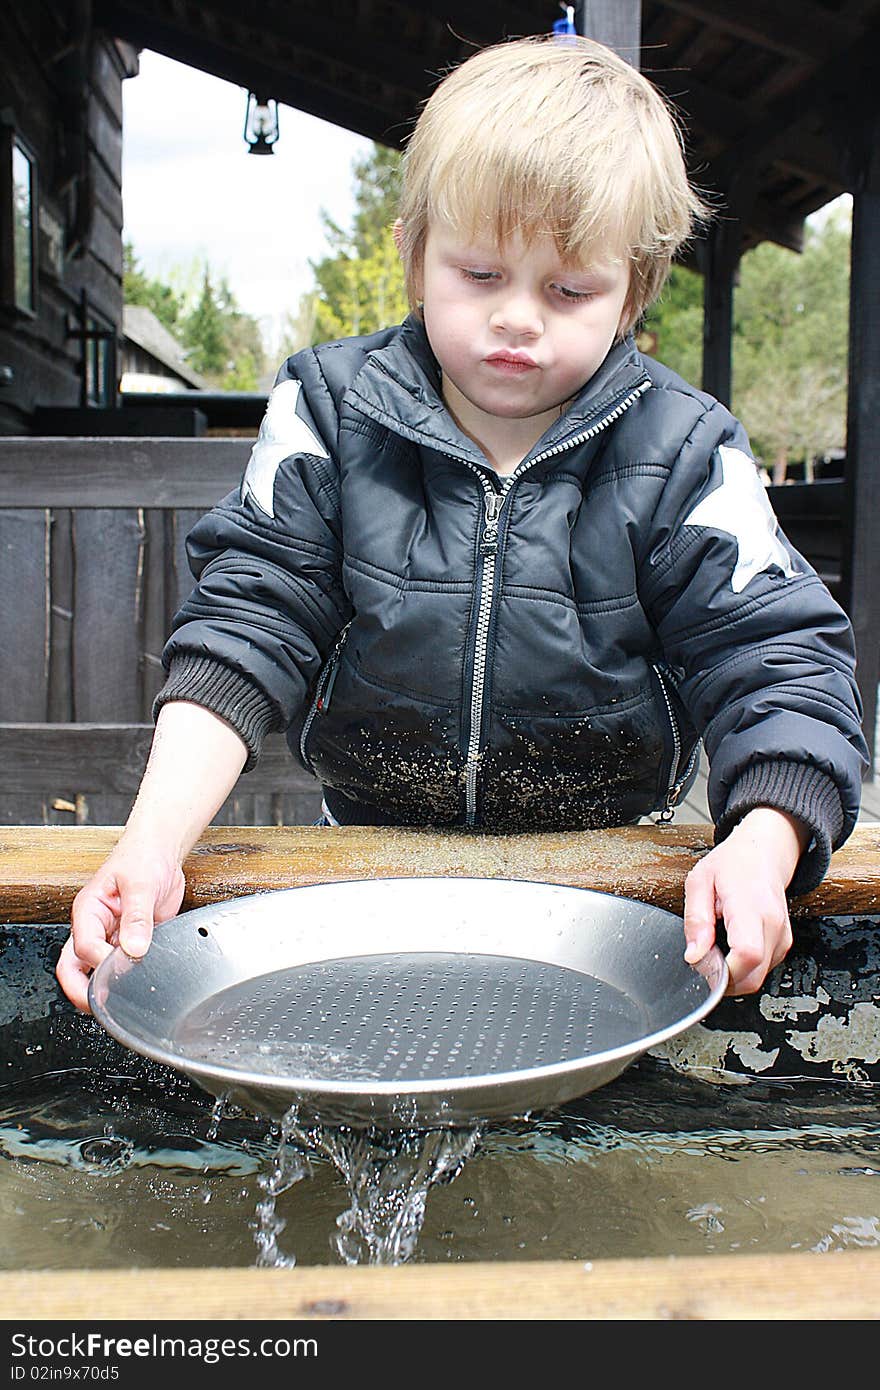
x: 194, y: 763
x: 135, y: 887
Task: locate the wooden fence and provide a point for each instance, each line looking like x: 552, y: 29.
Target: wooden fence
x: 92, y: 568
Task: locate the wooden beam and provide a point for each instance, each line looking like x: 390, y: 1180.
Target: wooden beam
x: 616, y: 23
x: 43, y: 868
x: 287, y: 80
x: 861, y: 556
x: 797, y: 29
x: 57, y: 759
x: 119, y: 472
x: 794, y: 1286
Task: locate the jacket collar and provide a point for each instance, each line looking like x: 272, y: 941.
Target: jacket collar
x: 399, y: 385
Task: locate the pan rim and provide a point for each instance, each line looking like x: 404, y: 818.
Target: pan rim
x: 712, y: 966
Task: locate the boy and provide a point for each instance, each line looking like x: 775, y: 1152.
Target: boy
x: 492, y: 568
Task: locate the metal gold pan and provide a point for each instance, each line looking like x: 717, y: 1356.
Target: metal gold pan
x: 408, y: 1002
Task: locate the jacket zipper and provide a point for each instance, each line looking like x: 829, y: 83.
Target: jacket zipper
x: 494, y: 501
x: 323, y: 692
x: 674, y: 783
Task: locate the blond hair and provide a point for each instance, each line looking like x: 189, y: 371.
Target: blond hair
x: 539, y: 134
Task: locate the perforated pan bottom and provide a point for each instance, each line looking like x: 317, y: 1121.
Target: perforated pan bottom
x: 409, y: 1017
x: 408, y: 1002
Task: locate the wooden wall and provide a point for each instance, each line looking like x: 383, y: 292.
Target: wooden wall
x: 92, y: 569
x: 61, y: 85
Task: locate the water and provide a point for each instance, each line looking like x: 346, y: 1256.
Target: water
x: 103, y: 1171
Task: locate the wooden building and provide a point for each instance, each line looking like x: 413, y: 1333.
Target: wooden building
x: 60, y: 208
x: 781, y: 112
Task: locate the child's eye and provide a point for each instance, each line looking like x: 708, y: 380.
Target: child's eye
x: 574, y: 295
x: 479, y: 276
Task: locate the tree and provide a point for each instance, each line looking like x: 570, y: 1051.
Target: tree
x: 203, y: 332
x: 359, y: 285
x: 139, y: 288
x: 222, y: 343
x: 676, y: 320
x: 791, y: 326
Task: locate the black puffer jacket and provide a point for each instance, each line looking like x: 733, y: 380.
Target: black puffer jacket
x: 446, y: 646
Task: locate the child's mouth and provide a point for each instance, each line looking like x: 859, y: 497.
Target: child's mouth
x: 512, y: 363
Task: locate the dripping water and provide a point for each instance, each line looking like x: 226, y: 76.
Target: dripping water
x: 388, y: 1176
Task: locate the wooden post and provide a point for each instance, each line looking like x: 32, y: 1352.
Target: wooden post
x: 718, y: 257
x: 616, y: 23
x: 861, y: 554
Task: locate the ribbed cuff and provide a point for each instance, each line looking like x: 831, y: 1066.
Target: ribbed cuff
x: 225, y: 692
x: 803, y: 791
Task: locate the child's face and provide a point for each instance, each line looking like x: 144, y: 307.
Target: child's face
x: 516, y: 330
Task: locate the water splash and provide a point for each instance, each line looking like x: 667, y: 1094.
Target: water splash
x: 218, y: 1114
x: 288, y: 1167
x: 388, y: 1176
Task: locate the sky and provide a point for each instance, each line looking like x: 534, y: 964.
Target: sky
x: 190, y: 189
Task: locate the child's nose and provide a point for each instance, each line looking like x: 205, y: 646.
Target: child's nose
x: 520, y: 315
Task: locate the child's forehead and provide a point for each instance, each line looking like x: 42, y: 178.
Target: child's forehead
x: 537, y: 243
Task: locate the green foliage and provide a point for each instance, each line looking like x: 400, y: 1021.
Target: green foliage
x: 676, y: 319
x: 139, y: 288
x: 222, y: 343
x: 791, y: 332
x: 359, y: 285
x: 791, y: 325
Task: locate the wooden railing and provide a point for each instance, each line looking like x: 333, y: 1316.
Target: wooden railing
x: 92, y: 569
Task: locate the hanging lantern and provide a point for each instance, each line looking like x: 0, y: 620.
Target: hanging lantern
x: 260, y: 124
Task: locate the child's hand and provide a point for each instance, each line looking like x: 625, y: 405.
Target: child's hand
x: 743, y: 881
x: 134, y: 888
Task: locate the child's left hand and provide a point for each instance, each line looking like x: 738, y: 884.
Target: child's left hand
x: 743, y: 881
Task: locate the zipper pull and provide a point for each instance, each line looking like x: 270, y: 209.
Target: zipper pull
x: 324, y: 699
x: 489, y: 543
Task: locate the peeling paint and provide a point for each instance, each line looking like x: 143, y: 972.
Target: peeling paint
x: 703, y: 1049
x: 775, y: 1010
x: 842, y: 1041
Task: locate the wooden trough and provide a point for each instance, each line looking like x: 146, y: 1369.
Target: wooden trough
x: 819, y: 1015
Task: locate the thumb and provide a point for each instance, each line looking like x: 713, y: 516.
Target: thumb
x: 136, y: 921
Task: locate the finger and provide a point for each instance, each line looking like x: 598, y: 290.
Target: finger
x: 748, y: 959
x: 93, y: 923
x: 784, y: 943
x: 700, y: 915
x: 73, y: 976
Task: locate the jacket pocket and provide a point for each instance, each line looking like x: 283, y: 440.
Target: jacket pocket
x: 323, y: 694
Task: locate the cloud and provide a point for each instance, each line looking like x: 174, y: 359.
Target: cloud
x: 191, y: 189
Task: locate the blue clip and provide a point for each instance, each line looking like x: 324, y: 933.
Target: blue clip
x: 564, y: 28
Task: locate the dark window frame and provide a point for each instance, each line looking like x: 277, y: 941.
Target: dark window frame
x: 11, y: 140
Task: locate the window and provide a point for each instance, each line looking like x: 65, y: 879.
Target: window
x: 18, y: 210
x: 100, y: 382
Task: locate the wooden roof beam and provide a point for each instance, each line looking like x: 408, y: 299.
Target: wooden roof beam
x: 305, y: 34
x: 798, y: 29
x: 368, y: 118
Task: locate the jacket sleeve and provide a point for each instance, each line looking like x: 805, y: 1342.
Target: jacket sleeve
x: 762, y: 655
x: 269, y: 600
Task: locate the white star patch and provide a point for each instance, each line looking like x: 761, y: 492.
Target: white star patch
x: 740, y: 507
x: 283, y: 432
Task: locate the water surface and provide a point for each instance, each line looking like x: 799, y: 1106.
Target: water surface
x: 113, y: 1170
